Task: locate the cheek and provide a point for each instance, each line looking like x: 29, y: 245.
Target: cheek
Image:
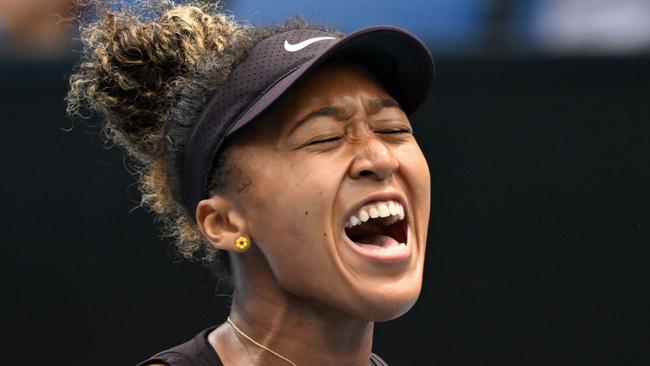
x: 288, y: 211
x: 416, y: 170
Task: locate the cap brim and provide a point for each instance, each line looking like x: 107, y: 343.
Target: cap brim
x: 402, y: 63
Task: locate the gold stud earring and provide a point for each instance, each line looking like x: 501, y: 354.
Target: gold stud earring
x: 242, y: 243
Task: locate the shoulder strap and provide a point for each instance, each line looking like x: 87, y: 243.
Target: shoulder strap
x: 195, y: 352
x: 169, y: 359
x: 376, y: 360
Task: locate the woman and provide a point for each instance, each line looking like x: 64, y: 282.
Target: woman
x: 284, y: 157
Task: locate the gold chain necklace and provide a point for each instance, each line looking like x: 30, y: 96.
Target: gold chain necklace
x: 241, y: 332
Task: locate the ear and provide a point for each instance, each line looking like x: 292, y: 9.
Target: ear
x: 220, y: 222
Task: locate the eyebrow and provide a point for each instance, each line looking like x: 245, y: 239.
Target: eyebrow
x: 378, y: 104
x: 341, y: 113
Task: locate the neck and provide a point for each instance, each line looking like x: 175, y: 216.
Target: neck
x: 303, y: 332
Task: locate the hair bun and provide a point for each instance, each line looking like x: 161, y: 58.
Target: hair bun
x: 132, y: 67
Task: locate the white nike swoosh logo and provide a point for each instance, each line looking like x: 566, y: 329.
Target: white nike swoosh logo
x: 299, y: 46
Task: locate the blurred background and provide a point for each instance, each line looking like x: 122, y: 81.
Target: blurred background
x: 538, y: 137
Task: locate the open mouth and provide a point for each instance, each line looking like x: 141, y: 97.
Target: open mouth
x: 378, y: 226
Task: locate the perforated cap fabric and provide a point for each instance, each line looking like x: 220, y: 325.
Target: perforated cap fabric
x: 400, y: 60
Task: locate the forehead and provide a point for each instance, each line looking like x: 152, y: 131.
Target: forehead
x: 334, y: 81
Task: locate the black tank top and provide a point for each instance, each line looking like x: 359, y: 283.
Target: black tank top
x: 199, y: 352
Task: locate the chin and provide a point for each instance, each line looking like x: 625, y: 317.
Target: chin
x: 381, y: 312
x: 389, y: 301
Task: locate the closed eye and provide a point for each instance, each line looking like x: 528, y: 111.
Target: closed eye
x: 394, y: 131
x: 324, y: 140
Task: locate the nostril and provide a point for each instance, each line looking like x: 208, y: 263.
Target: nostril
x: 366, y: 173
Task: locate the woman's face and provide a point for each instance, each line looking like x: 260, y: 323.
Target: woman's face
x: 337, y: 195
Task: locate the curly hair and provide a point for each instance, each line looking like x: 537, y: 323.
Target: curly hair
x: 149, y: 69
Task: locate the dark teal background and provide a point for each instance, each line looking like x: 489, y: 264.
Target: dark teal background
x: 538, y: 247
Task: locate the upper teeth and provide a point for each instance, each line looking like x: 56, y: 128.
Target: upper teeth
x: 375, y: 210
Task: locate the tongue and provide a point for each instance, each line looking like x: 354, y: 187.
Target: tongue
x: 376, y: 242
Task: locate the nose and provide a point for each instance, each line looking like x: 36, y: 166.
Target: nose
x: 373, y: 159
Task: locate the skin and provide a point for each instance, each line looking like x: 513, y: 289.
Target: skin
x: 301, y: 289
